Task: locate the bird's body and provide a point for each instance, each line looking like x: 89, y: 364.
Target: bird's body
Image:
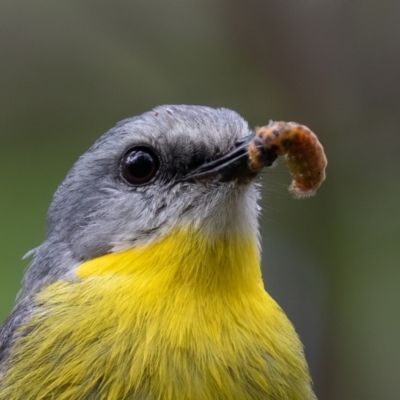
x: 169, y: 308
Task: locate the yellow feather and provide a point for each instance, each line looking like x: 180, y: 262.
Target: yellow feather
x: 186, y: 317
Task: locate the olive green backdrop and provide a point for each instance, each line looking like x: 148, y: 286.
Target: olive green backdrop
x: 69, y: 70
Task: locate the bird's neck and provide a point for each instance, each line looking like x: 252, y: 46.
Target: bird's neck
x: 189, y: 258
x: 183, y: 318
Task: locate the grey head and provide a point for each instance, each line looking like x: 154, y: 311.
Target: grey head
x: 192, y: 171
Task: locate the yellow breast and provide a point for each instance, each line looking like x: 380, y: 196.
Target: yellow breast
x: 186, y: 317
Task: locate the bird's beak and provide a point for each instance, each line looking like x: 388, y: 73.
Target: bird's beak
x: 232, y: 166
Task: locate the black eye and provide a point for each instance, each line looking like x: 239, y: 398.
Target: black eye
x: 139, y: 165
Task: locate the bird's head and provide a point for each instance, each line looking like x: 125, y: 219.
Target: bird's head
x: 171, y: 168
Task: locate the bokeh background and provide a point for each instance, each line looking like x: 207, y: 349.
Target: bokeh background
x: 70, y: 70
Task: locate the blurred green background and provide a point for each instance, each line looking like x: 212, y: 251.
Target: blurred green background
x: 70, y: 70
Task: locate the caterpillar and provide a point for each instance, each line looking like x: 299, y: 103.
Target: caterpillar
x: 304, y: 154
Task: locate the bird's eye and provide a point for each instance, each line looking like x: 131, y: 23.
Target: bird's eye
x: 139, y: 165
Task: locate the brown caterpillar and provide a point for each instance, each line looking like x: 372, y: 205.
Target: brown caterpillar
x: 304, y: 154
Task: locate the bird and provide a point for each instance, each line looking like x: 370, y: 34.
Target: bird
x: 148, y: 284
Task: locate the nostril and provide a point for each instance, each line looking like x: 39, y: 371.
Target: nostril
x: 244, y: 140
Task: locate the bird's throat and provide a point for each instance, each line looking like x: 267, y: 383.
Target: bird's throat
x: 185, y: 257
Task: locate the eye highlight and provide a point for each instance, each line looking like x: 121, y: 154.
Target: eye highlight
x: 139, y: 165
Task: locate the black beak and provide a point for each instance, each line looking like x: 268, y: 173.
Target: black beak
x: 232, y: 166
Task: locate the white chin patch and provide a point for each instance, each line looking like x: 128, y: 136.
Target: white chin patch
x: 230, y: 210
